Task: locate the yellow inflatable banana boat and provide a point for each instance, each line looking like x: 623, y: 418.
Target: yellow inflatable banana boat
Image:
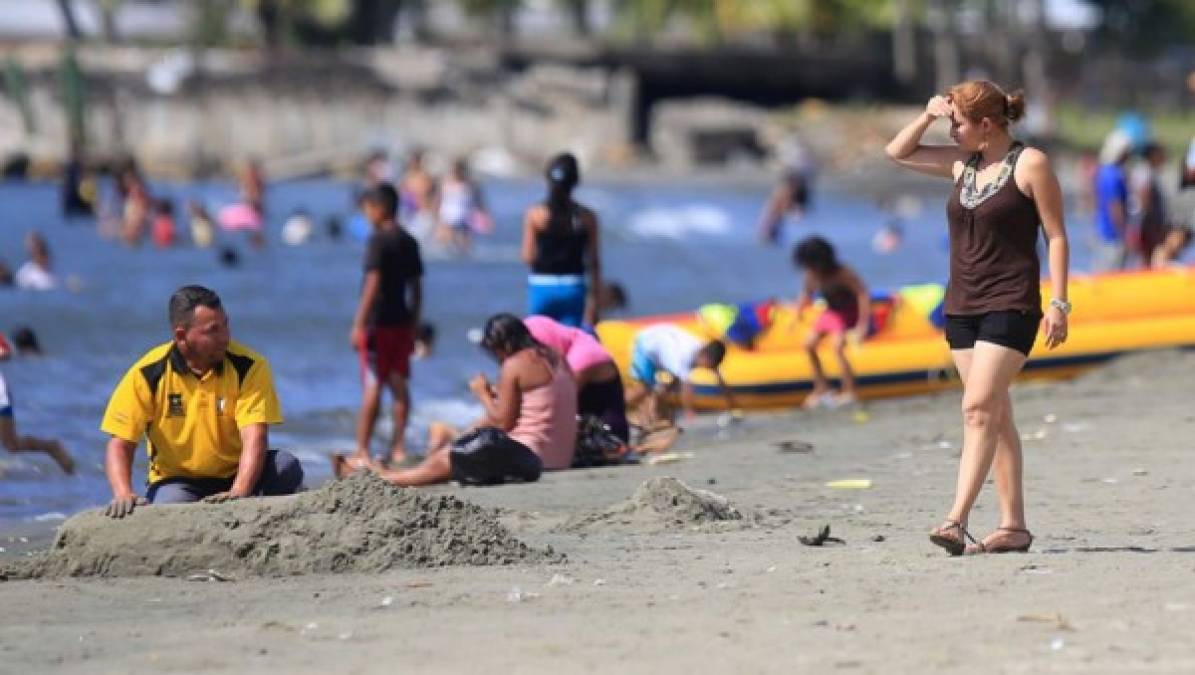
x: 907, y: 354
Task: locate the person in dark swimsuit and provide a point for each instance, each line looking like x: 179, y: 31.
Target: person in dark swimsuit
x: 848, y: 310
x: 561, y: 244
x: 1003, y: 191
x: 1149, y: 217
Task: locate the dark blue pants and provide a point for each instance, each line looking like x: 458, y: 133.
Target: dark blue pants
x: 282, y: 474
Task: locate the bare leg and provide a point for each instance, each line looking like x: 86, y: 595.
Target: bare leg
x: 820, y: 385
x: 371, y: 399
x: 440, y: 436
x: 636, y: 392
x: 779, y: 203
x: 402, y: 407
x: 14, y: 443
x: 991, y: 371
x: 435, y: 468
x: 1007, y: 468
x: 848, y: 375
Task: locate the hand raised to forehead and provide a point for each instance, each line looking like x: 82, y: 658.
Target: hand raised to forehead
x: 939, y: 106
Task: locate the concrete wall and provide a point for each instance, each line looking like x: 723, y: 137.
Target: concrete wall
x: 301, y: 121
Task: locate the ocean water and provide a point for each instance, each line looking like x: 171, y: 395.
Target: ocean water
x: 673, y: 245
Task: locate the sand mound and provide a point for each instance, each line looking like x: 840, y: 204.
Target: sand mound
x: 660, y: 503
x: 362, y: 524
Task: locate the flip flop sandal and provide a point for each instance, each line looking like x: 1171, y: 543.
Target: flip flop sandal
x: 980, y: 547
x: 955, y: 546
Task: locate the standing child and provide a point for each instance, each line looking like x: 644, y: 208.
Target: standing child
x: 383, y: 330
x: 848, y: 309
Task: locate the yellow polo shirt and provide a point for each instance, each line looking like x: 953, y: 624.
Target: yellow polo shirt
x: 192, y: 423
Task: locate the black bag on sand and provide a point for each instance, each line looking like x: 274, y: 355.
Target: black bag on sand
x: 597, y: 445
x: 487, y: 456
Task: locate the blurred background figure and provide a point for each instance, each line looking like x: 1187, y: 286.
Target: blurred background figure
x: 135, y: 204
x: 203, y: 233
x: 36, y: 273
x: 417, y: 198
x: 425, y: 340
x: 1112, y: 203
x: 1170, y: 251
x: 252, y: 182
x: 791, y: 197
x: 1187, y: 169
x: 334, y: 227
x: 78, y: 187
x: 298, y: 228
x: 378, y: 169
x: 461, y: 210
x: 163, y: 231
x: 25, y: 341
x: 16, y: 443
x: 1148, y: 209
x: 612, y: 298
x: 561, y: 245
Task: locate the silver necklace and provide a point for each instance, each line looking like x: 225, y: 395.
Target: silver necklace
x: 970, y: 196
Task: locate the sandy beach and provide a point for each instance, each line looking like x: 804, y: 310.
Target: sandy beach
x: 660, y: 580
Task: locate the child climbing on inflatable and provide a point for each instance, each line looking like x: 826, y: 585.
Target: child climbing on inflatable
x: 845, y: 319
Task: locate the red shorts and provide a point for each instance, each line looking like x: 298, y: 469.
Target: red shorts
x: 834, y: 322
x: 387, y: 350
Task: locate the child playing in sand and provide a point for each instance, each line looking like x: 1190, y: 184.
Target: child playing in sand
x: 846, y: 316
x: 671, y: 349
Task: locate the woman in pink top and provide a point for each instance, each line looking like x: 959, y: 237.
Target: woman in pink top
x: 530, y: 421
x: 599, y: 386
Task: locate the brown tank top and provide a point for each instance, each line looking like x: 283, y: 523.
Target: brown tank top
x: 993, y: 244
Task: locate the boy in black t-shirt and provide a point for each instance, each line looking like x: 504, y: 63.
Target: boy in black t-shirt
x: 383, y: 330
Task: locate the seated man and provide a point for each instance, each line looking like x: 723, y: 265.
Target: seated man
x: 674, y: 350
x: 203, y: 402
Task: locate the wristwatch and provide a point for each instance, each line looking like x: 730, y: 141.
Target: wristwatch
x: 1062, y: 305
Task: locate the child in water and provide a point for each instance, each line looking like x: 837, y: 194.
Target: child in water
x: 847, y: 314
x: 162, y: 229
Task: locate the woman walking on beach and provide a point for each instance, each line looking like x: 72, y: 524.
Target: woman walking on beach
x: 560, y: 243
x: 1003, y: 190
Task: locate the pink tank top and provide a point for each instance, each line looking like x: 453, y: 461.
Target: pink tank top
x: 580, y: 349
x: 548, y: 420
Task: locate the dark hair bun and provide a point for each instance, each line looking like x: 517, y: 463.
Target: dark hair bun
x: 1016, y: 106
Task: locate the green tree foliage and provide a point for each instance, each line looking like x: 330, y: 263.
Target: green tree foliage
x: 716, y: 20
x: 1146, y: 26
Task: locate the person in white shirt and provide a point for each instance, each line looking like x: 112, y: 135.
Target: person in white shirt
x: 35, y: 274
x: 675, y: 351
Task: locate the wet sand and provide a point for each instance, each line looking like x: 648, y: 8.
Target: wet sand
x: 1108, y: 587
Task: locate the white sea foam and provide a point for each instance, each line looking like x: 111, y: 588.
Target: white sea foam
x: 679, y: 222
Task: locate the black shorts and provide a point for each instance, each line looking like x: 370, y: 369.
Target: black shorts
x: 487, y: 456
x: 607, y: 402
x: 1015, y: 329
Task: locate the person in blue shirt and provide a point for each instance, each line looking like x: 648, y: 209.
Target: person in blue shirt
x: 1111, y: 203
